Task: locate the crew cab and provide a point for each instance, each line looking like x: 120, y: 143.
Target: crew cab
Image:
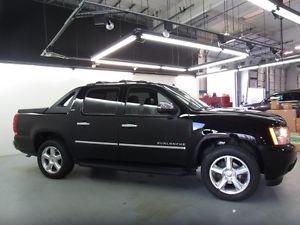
x: 156, y: 128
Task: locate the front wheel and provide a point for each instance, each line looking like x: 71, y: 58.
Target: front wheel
x: 230, y: 173
x: 54, y: 160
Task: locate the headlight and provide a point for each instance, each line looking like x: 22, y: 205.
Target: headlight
x: 280, y: 135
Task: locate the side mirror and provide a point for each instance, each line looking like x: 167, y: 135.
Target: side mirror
x: 166, y: 108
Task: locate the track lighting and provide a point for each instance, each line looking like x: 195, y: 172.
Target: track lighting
x: 110, y: 25
x: 167, y: 28
x: 278, y: 10
x: 249, y: 48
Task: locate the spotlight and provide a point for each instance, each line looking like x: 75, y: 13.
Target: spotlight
x: 166, y: 33
x: 167, y: 28
x: 277, y: 56
x: 110, y: 25
x: 249, y: 48
x: 221, y: 40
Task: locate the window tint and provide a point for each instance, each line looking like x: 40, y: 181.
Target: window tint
x: 67, y: 100
x: 278, y: 97
x: 288, y: 97
x: 101, y: 101
x: 291, y: 96
x: 144, y: 102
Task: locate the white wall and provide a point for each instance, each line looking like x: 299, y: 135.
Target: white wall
x: 292, y: 77
x: 222, y: 83
x: 26, y: 86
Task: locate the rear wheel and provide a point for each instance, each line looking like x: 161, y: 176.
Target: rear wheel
x: 54, y: 160
x: 230, y: 173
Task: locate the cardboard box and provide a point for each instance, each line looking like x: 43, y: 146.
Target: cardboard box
x: 298, y: 125
x: 287, y: 105
x: 289, y: 115
x: 275, y: 105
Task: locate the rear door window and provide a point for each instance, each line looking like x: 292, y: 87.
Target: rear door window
x: 101, y: 101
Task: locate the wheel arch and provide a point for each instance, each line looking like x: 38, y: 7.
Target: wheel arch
x: 43, y: 135
x: 209, y: 142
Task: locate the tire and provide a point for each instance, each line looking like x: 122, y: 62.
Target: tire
x: 53, y: 153
x: 232, y: 183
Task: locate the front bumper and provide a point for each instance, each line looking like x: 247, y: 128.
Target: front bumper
x: 277, y: 161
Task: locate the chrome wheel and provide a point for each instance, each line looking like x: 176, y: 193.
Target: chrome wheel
x: 229, y: 174
x: 51, y: 159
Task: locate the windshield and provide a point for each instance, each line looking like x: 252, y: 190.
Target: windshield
x: 191, y: 102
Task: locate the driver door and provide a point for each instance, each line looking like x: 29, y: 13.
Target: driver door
x: 148, y: 136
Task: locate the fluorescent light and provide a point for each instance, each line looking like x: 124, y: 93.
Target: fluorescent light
x: 280, y: 63
x: 249, y: 68
x: 216, y: 73
x: 288, y: 52
x: 127, y: 64
x: 280, y: 11
x: 139, y: 65
x: 114, y: 47
x: 231, y: 40
x: 264, y: 4
x: 288, y: 15
x: 179, y: 69
x: 189, y: 44
x: 293, y: 60
x: 212, y: 64
x: 173, y: 41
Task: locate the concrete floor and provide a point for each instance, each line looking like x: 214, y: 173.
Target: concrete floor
x: 90, y: 196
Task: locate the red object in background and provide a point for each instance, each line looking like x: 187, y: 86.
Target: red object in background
x: 217, y: 102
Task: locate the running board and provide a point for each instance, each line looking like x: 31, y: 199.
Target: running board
x: 139, y: 168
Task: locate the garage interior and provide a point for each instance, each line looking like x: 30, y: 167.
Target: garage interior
x: 227, y: 53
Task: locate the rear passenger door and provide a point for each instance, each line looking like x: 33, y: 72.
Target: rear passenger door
x: 97, y: 123
x: 146, y: 136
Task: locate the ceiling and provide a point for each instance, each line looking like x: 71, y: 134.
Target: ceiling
x: 236, y: 17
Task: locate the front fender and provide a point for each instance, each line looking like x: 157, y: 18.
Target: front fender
x: 215, y: 139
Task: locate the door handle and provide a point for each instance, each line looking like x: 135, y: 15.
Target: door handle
x: 83, y: 124
x: 129, y: 125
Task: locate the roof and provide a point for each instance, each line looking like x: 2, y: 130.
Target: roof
x: 121, y: 82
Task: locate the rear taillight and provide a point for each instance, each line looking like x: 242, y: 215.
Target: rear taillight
x: 15, y: 124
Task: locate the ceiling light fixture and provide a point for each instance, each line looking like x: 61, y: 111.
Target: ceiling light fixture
x: 135, y: 66
x: 288, y: 52
x: 280, y: 10
x: 171, y: 68
x: 273, y: 64
x: 128, y: 64
x: 264, y: 4
x: 189, y: 44
x: 212, y: 64
x: 126, y: 41
x: 297, y: 47
x: 110, y: 25
x: 288, y: 15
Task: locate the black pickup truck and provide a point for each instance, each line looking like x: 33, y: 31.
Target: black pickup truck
x: 156, y: 128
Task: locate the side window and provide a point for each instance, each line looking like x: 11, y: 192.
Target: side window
x: 278, y: 97
x: 142, y: 101
x: 67, y: 100
x: 101, y: 101
x: 297, y: 96
x: 288, y: 97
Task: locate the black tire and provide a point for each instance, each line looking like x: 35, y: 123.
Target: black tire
x: 236, y: 152
x: 66, y: 162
